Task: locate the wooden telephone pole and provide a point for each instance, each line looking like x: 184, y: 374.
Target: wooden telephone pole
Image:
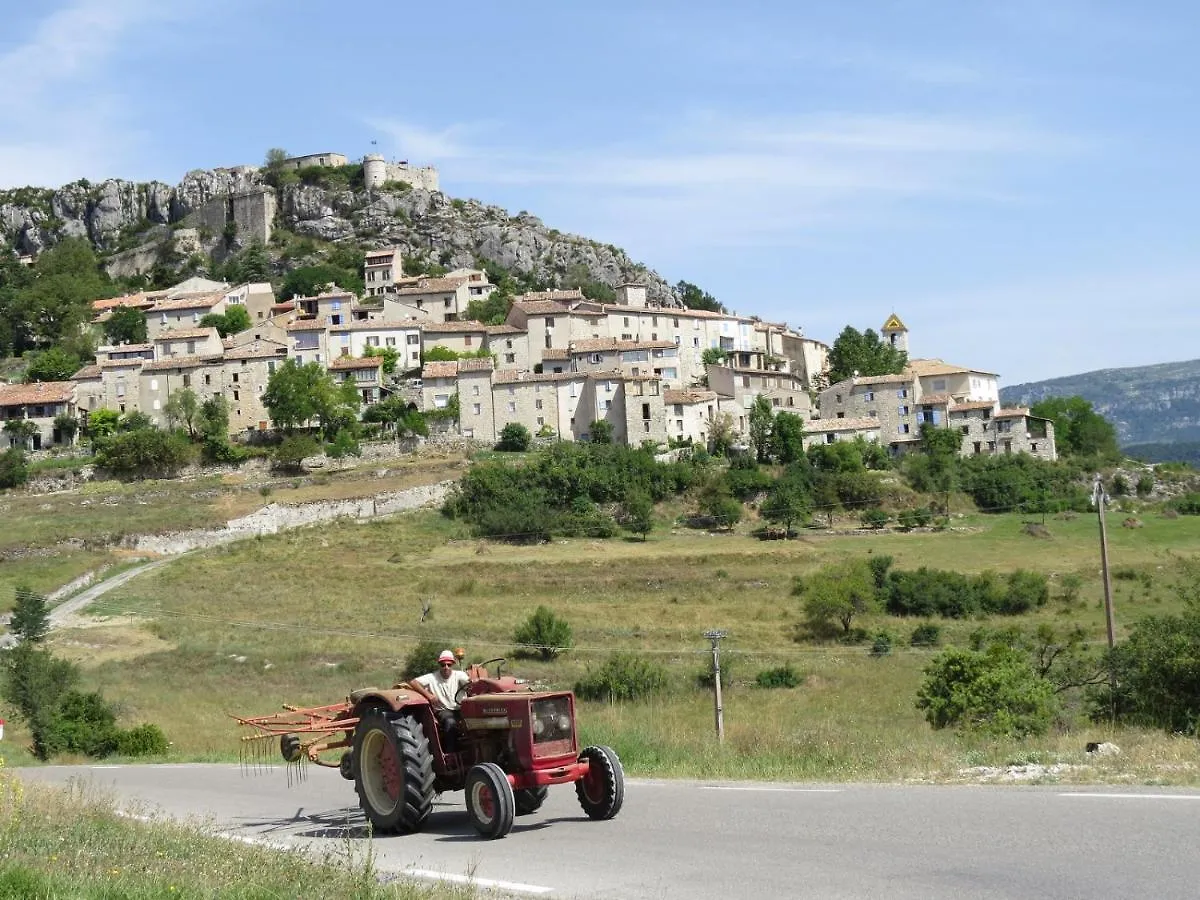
x: 715, y: 637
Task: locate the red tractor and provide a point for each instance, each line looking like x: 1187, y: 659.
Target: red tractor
x: 509, y: 744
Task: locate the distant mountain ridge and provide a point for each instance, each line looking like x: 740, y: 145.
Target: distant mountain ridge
x: 1146, y: 404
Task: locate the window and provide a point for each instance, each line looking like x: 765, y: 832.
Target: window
x: 903, y: 410
x: 207, y: 379
x: 541, y: 421
x: 966, y: 429
x: 645, y: 410
x: 510, y: 358
x: 902, y: 394
x: 625, y: 321
x: 335, y: 319
x: 336, y: 305
x: 596, y: 358
x: 676, y: 322
x: 978, y: 447
x: 512, y: 406
x: 837, y: 398
x: 1033, y: 448
x: 475, y: 408
x: 607, y: 405
x: 468, y: 340
x: 187, y: 380
x: 440, y: 401
x: 537, y: 404
x: 939, y: 385
x: 412, y: 339
x: 679, y: 424
x: 696, y: 342
x: 873, y: 414
x: 235, y: 376
x: 236, y: 395
x: 654, y: 321
x: 745, y: 381
x: 191, y: 347
x: 154, y: 384
x: 390, y: 342
x: 869, y: 396
x: 371, y: 341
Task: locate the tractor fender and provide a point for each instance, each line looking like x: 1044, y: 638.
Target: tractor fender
x: 393, y: 699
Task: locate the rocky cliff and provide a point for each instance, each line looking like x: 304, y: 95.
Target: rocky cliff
x: 130, y: 222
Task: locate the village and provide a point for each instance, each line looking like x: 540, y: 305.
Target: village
x: 657, y: 374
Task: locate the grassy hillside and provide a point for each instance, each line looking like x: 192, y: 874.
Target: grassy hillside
x: 1146, y: 404
x: 308, y: 616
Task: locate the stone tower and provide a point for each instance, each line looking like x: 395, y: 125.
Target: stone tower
x: 375, y: 171
x: 895, y: 333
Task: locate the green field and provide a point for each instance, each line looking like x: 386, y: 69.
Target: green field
x: 308, y: 616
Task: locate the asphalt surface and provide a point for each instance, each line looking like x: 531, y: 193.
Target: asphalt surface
x: 709, y: 840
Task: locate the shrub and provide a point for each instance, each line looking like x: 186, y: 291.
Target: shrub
x: 143, y: 451
x: 995, y: 692
x: 144, y: 740
x: 543, y: 633
x: 1145, y: 485
x: 1157, y: 674
x: 1187, y: 505
x: 623, y: 677
x: 927, y: 634
x: 34, y: 683
x: 422, y: 659
x: 294, y: 449
x: 514, y: 438
x: 729, y: 664
x: 874, y: 518
x: 344, y: 444
x: 779, y: 677
x: 14, y: 470
x: 84, y: 723
x: 914, y: 518
x: 882, y: 644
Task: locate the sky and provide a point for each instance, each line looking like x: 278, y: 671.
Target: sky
x: 1016, y: 179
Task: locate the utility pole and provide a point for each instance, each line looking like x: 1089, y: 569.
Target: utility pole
x: 1099, y: 498
x: 715, y: 637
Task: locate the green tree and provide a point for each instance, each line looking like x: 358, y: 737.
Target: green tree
x: 788, y: 503
x: 103, y: 422
x: 30, y: 620
x: 308, y: 281
x: 600, y: 432
x: 787, y: 438
x: 762, y: 420
x: 714, y: 356
x: 825, y: 496
x: 126, y: 325
x: 294, y: 449
x: 296, y: 394
x: 941, y: 447
x: 544, y: 633
x: 251, y: 264
x: 514, y: 438
x: 637, y: 513
x: 144, y: 451
x: 838, y: 593
x: 20, y: 432
x: 390, y: 356
x: 183, y: 408
x: 56, y: 301
x: 55, y: 364
x: 67, y: 426
x: 995, y: 692
x: 438, y: 353
x: 721, y: 434
x: 1078, y: 429
x: 35, y: 682
x: 694, y: 297
x: 14, y: 470
x: 719, y: 505
x: 864, y: 354
x: 235, y: 319
x: 213, y: 420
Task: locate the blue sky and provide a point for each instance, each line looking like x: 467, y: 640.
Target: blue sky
x: 1015, y: 178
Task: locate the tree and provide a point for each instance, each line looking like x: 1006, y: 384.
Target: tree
x: 694, y: 297
x: 1078, y: 429
x: 390, y: 357
x: 545, y: 633
x: 637, y: 513
x: 308, y: 281
x: 719, y: 505
x: 54, y: 364
x: 762, y: 418
x: 721, y: 434
x: 863, y: 353
x: 296, y: 394
x: 838, y: 593
x: 714, y: 356
x: 514, y: 438
x: 67, y: 426
x: 294, y: 449
x: 995, y: 692
x: 787, y: 438
x: 438, y: 353
x: 20, y: 432
x: 183, y: 407
x: 30, y: 620
x: 825, y: 494
x: 600, y: 432
x: 788, y: 503
x: 34, y: 683
x: 53, y: 304
x: 14, y: 470
x: 941, y: 447
x: 126, y: 325
x: 103, y: 422
x: 213, y: 420
x: 235, y: 319
x: 251, y: 264
x: 275, y: 158
x: 143, y: 451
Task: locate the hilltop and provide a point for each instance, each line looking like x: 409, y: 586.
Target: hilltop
x: 1146, y: 404
x: 159, y: 232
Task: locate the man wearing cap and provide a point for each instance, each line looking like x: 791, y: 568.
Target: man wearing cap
x: 442, y: 688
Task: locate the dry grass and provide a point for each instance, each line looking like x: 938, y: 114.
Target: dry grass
x: 307, y: 616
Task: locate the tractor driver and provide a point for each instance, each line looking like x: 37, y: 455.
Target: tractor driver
x: 442, y: 689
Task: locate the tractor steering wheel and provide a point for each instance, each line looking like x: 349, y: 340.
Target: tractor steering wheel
x: 500, y: 663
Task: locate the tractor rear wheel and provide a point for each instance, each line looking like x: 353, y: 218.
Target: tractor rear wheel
x: 601, y: 791
x: 530, y: 800
x: 490, y: 801
x: 393, y: 771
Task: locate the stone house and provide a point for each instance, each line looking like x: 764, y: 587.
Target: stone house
x: 257, y: 298
x: 183, y: 312
x: 461, y: 337
x: 187, y: 342
x: 442, y: 299
x: 476, y: 419
x: 785, y: 390
x: 109, y: 384
x: 829, y: 431
x: 439, y: 382
x: 115, y: 352
x: 40, y: 404
x: 355, y: 338
x: 509, y: 345
x: 381, y: 269
x: 690, y: 413
x: 330, y: 307
x: 308, y: 341
x: 633, y: 405
x: 366, y: 373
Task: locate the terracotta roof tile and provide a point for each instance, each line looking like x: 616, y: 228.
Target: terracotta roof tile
x: 926, y: 367
x: 86, y: 373
x: 39, y: 392
x: 448, y: 369
x: 517, y: 376
x: 825, y: 425
x: 540, y: 307
x: 181, y: 334
x: 134, y: 300
x: 431, y: 286
x: 188, y: 301
x: 455, y: 327
x: 975, y: 404
x: 556, y: 353
x: 688, y: 397
x: 261, y: 349
x: 373, y: 326
x: 352, y: 362
x: 180, y: 362
x: 476, y: 364
x: 539, y: 296
x: 306, y: 325
x: 1012, y: 413
x: 505, y: 329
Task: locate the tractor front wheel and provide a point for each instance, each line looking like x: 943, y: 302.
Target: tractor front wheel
x: 530, y: 800
x: 490, y: 801
x: 601, y: 791
x: 393, y: 771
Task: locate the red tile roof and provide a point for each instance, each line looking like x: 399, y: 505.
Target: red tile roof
x: 476, y: 364
x: 447, y: 369
x: 351, y: 362
x: 39, y: 392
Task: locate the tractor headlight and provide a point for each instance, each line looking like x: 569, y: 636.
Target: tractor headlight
x: 564, y: 723
x: 552, y: 719
x: 538, y: 725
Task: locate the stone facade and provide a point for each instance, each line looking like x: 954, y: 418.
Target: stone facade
x: 39, y: 404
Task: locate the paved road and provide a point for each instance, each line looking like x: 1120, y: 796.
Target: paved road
x: 703, y: 841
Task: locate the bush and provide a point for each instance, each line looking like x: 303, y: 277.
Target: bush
x: 935, y: 592
x: 344, y: 444
x: 996, y: 692
x: 623, y: 677
x: 294, y: 449
x: 143, y: 451
x: 514, y: 438
x: 914, y: 518
x: 144, y: 740
x: 1187, y: 505
x: 882, y: 644
x: 874, y: 518
x: 14, y: 470
x: 1157, y: 674
x: 544, y: 634
x: 1145, y: 485
x: 84, y: 723
x: 421, y: 660
x: 779, y: 677
x: 729, y: 664
x: 927, y: 634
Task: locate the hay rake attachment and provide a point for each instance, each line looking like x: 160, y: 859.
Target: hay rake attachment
x: 304, y: 735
